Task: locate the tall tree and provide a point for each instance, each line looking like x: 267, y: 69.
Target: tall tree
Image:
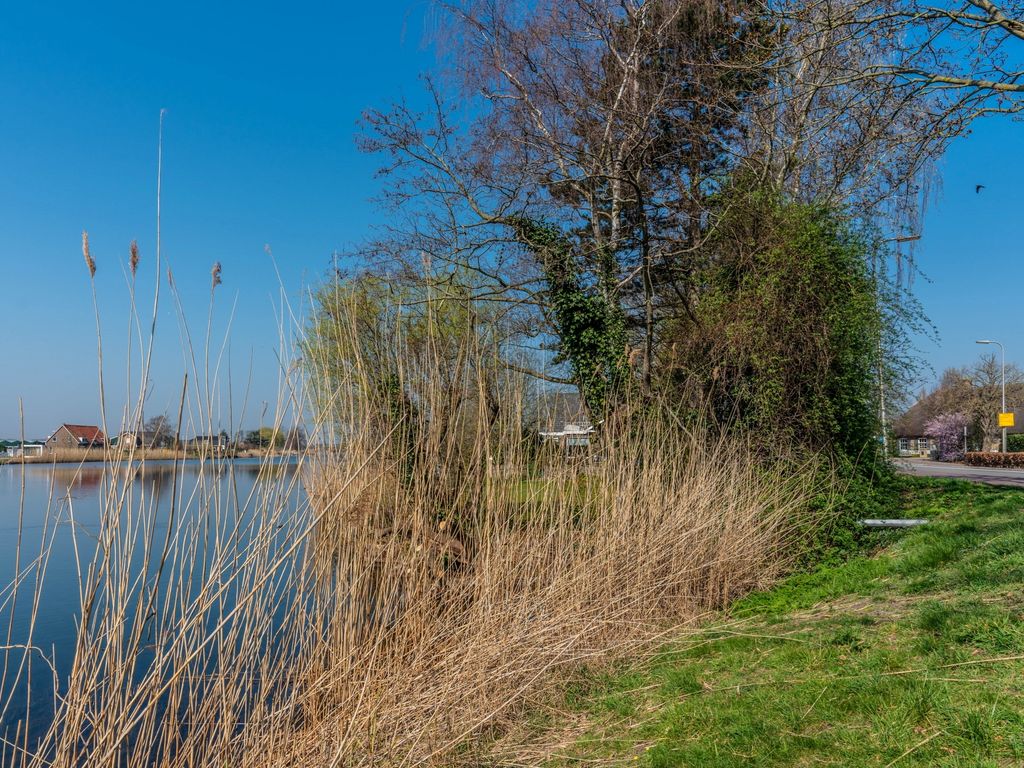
x: 605, y: 125
x: 573, y: 167
x: 161, y: 429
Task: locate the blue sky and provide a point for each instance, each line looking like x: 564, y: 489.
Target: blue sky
x: 262, y: 104
x: 971, y: 250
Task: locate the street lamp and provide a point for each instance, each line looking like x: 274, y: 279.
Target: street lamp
x: 881, y: 357
x: 1002, y: 355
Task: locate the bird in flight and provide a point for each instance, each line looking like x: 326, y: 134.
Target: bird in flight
x: 978, y: 188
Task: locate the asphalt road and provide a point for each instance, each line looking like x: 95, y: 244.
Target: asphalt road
x: 925, y: 468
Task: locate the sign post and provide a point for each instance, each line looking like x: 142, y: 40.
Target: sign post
x: 1006, y: 420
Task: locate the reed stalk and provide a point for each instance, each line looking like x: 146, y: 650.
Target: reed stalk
x: 402, y: 594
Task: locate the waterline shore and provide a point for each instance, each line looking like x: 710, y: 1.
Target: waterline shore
x: 140, y: 454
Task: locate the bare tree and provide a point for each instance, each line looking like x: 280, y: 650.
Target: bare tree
x: 586, y: 141
x: 606, y: 125
x: 968, y: 54
x: 160, y: 431
x: 986, y: 379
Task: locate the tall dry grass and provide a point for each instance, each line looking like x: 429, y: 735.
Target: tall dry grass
x: 432, y: 574
x: 484, y: 567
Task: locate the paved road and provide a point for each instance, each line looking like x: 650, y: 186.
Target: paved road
x: 925, y: 468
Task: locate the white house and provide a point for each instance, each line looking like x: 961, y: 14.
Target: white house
x: 24, y: 449
x: 562, y: 419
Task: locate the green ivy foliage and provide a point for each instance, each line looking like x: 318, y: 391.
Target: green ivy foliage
x: 589, y: 323
x: 788, y: 330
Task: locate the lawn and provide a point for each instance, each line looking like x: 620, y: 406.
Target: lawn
x: 912, y: 656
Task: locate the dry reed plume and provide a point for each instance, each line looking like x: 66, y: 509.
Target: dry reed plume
x: 437, y: 571
x: 90, y: 263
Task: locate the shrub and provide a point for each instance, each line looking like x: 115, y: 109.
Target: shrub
x: 995, y: 459
x: 947, y: 430
x: 775, y: 269
x: 858, y: 490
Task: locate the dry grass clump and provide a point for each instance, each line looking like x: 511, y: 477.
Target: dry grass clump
x: 436, y: 571
x: 467, y: 567
x: 672, y: 526
x: 149, y: 454
x: 63, y: 456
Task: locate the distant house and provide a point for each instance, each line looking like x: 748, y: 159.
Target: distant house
x: 74, y: 437
x: 908, y: 431
x: 562, y: 419
x: 209, y: 443
x: 141, y: 439
x: 14, y: 449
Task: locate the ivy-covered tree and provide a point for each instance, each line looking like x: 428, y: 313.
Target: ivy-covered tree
x: 606, y: 124
x: 788, y: 332
x: 587, y: 319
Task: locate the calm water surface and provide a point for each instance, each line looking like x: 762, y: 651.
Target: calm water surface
x: 54, y: 505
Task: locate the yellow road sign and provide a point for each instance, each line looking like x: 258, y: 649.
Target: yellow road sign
x: 1005, y: 419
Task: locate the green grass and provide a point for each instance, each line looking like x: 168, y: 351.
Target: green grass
x: 541, y: 498
x: 899, y: 658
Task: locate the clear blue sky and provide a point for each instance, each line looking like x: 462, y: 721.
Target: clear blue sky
x: 971, y: 250
x: 263, y: 100
x: 262, y: 103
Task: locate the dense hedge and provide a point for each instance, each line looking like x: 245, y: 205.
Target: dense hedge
x: 995, y: 459
x: 1015, y: 442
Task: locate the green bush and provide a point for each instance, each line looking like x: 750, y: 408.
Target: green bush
x: 783, y: 341
x: 864, y: 491
x: 784, y: 336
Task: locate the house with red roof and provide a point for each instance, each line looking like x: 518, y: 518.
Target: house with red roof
x: 74, y: 436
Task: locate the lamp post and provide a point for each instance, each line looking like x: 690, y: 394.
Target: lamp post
x: 881, y: 356
x: 1002, y: 367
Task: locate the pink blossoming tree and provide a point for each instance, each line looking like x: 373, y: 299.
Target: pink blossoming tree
x: 947, y: 430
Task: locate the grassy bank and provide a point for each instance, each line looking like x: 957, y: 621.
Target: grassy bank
x: 912, y: 656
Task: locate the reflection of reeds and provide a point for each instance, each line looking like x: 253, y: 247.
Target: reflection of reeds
x: 436, y: 575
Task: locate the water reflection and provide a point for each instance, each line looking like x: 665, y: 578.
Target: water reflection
x: 57, y: 509
x: 67, y: 479
x: 155, y: 477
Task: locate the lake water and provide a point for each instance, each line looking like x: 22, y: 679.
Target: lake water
x: 58, y: 510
